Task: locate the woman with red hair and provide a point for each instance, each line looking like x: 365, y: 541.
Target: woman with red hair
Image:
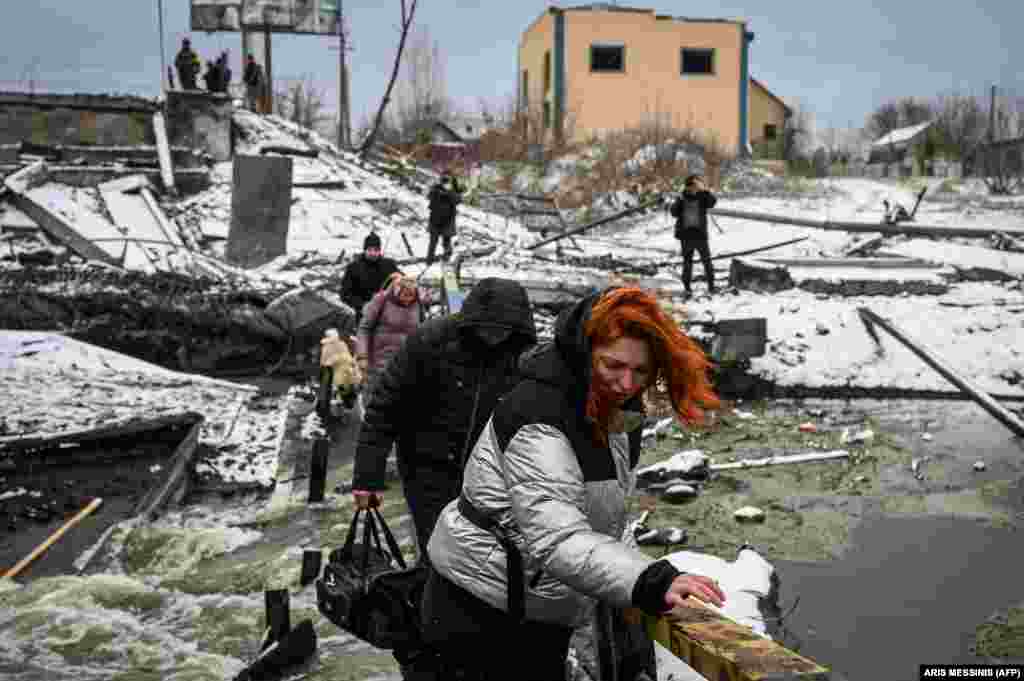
x: 535, y: 538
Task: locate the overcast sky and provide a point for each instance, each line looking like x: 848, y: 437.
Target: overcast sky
x: 840, y: 59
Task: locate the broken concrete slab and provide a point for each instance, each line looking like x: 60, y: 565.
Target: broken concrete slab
x: 753, y: 275
x: 164, y: 153
x: 57, y: 215
x: 260, y: 209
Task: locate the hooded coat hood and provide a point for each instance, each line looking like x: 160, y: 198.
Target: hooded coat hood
x: 496, y: 309
x: 567, y: 360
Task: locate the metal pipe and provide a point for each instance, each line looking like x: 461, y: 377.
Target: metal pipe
x: 1007, y: 418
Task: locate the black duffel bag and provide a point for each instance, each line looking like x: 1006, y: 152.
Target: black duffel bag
x: 363, y: 592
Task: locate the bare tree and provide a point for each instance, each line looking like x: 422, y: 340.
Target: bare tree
x: 1001, y: 161
x: 798, y: 132
x: 302, y: 103
x: 421, y: 95
x: 408, y: 13
x: 896, y: 114
x: 961, y: 123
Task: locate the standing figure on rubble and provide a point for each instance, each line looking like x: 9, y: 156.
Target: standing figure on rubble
x: 253, y: 78
x: 444, y: 197
x: 212, y: 77
x: 432, y: 401
x: 535, y: 538
x: 690, y: 209
x: 224, y: 64
x: 366, y: 274
x: 187, y: 62
x: 391, y: 315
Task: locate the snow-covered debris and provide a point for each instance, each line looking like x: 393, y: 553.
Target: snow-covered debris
x: 749, y: 514
x: 55, y: 386
x: 691, y: 463
x: 744, y: 581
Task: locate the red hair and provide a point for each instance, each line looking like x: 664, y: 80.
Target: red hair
x: 635, y: 313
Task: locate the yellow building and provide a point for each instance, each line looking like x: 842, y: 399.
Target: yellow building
x: 597, y: 68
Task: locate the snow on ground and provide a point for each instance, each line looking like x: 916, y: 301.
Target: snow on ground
x: 976, y: 327
x: 333, y: 221
x: 822, y: 342
x: 52, y: 385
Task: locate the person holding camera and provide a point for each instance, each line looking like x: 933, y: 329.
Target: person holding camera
x: 690, y: 209
x: 444, y: 197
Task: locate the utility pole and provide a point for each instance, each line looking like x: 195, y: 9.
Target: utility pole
x: 344, y: 110
x: 268, y: 66
x: 992, y: 116
x: 163, y: 60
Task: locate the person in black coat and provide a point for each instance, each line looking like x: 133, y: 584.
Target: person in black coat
x: 431, y: 402
x: 444, y: 197
x: 212, y: 77
x: 690, y: 209
x: 187, y: 63
x: 224, y: 65
x: 366, y: 275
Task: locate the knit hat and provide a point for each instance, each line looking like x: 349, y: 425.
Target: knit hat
x: 371, y: 241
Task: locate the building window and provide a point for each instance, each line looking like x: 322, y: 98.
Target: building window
x: 771, y: 131
x: 697, y: 61
x: 524, y: 97
x: 607, y: 58
x: 547, y: 71
x: 547, y: 115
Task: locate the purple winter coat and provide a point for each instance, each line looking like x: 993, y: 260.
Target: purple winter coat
x: 383, y: 328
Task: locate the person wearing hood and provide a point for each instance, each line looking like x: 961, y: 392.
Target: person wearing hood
x: 391, y: 315
x: 431, y: 402
x: 366, y: 274
x: 535, y: 538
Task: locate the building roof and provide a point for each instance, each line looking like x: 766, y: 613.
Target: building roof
x: 465, y: 128
x: 901, y: 135
x: 771, y: 94
x: 608, y: 7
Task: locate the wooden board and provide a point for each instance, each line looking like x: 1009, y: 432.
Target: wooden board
x: 723, y: 650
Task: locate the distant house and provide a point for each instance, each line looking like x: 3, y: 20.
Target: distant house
x: 893, y: 146
x: 456, y: 139
x: 597, y: 68
x: 768, y: 113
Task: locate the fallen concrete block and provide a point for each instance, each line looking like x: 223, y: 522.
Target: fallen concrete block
x: 750, y: 275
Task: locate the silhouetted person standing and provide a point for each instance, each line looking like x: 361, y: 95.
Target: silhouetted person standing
x: 187, y: 62
x: 690, y: 210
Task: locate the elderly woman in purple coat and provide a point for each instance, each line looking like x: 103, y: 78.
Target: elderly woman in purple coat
x: 391, y: 315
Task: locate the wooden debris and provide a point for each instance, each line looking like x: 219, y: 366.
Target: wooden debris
x: 52, y: 539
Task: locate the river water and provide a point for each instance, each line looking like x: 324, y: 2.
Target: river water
x: 182, y: 599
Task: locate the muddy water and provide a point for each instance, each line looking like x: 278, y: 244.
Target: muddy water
x: 913, y: 588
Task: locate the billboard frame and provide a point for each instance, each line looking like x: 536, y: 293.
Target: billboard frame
x: 330, y: 19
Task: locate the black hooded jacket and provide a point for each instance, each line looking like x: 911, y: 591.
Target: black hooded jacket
x: 363, y: 278
x: 434, y: 396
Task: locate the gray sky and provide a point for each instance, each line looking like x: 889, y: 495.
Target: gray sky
x: 841, y: 59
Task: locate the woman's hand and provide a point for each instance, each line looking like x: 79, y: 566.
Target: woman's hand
x: 698, y: 586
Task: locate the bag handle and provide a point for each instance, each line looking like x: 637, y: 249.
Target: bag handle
x: 392, y: 544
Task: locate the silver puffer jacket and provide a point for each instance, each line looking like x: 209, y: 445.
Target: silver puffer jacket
x: 557, y: 495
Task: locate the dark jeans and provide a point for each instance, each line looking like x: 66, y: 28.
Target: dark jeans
x: 473, y: 640
x: 701, y: 246
x: 432, y: 245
